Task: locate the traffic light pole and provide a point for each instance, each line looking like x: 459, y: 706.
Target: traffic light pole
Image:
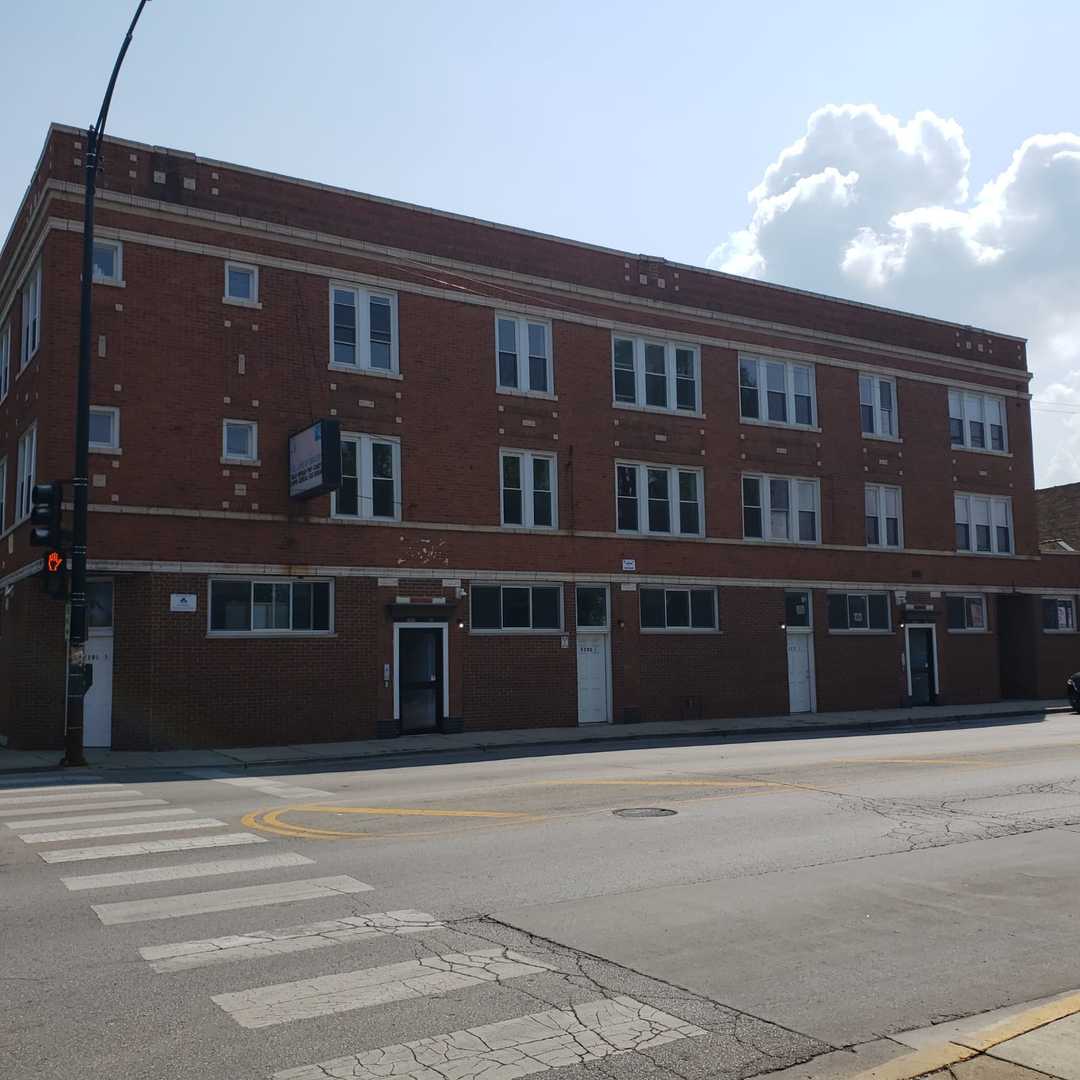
x: 77, y: 672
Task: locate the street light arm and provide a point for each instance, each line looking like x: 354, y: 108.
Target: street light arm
x: 99, y: 127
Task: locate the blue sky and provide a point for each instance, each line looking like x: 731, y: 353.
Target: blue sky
x: 639, y: 126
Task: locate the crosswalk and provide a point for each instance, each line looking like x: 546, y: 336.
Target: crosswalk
x: 47, y: 817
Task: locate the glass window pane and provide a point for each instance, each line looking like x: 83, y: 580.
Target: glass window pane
x: 797, y: 609
x: 230, y: 605
x: 537, y: 340
x: 99, y: 603
x: 262, y: 606
x: 104, y: 261
x: 837, y: 611
x: 625, y: 382
x: 653, y: 611
x: 749, y: 406
x: 873, y: 530
x: 281, y: 607
x: 507, y: 333
x: 689, y: 512
x: 856, y: 611
x: 879, y: 611
x: 238, y: 440
x: 975, y: 610
x: 775, y: 376
x: 626, y: 491
x: 808, y: 526
x: 101, y: 427
x: 515, y: 606
x: 866, y: 390
x: 320, y: 605
x: 1049, y: 608
x: 541, y: 474
x: 800, y: 380
x: 655, y: 376
x: 508, y: 370
x: 546, y: 604
x: 702, y: 609
x: 678, y: 608
x: 382, y: 498
x: 659, y: 508
x: 538, y: 374
x: 344, y: 327
x: 954, y: 607
x: 511, y: 471
x: 591, y: 606
x: 241, y: 284
x: 512, y: 507
x: 301, y: 605
x: 379, y: 314
x: 486, y: 607
x: 382, y: 460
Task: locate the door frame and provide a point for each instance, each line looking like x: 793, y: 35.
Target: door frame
x: 596, y: 631
x: 908, y: 627
x: 445, y: 628
x: 99, y: 632
x: 808, y: 633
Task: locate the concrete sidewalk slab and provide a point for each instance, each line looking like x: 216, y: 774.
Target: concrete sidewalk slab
x: 13, y: 761
x: 1053, y: 1049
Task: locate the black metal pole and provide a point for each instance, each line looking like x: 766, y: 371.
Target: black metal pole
x: 76, y: 676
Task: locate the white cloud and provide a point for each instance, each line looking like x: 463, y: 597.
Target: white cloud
x: 867, y: 206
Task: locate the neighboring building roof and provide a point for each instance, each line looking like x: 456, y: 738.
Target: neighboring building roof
x: 1059, y: 518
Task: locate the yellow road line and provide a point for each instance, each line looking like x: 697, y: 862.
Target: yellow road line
x: 913, y: 761
x: 1024, y: 1022
x: 660, y: 783
x: 397, y: 811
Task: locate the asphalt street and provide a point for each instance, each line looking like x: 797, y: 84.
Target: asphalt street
x: 447, y: 919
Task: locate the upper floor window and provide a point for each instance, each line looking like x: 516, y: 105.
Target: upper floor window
x: 25, y: 478
x: 1059, y: 614
x: 363, y: 329
x: 271, y: 606
x: 240, y: 441
x: 966, y: 612
x: 798, y: 610
x: 31, y: 317
x: 780, y: 508
x: 678, y: 609
x: 660, y: 499
x: 515, y: 607
x: 656, y: 374
x: 5, y: 361
x: 370, y: 478
x: 104, y: 427
x: 977, y: 421
x: 528, y: 489
x: 776, y: 392
x: 524, y: 354
x: 241, y: 283
x: 858, y: 611
x: 884, y: 517
x: 108, y: 262
x: 984, y: 524
x: 877, y: 406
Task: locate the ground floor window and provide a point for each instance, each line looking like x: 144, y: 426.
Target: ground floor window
x: 859, y: 611
x: 516, y: 607
x: 966, y: 612
x: 270, y: 605
x: 678, y: 609
x: 1059, y: 614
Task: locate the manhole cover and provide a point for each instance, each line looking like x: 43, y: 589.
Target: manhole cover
x: 644, y: 811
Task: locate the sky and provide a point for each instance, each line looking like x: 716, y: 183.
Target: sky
x: 920, y: 156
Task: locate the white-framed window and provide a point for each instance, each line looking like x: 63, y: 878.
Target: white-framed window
x: 591, y: 607
x: 104, y: 427
x: 689, y: 610
x: 884, y: 516
x: 529, y: 489
x: 3, y: 494
x: 655, y: 374
x: 782, y: 508
x: 31, y: 317
x: 270, y: 606
x: 777, y: 392
x: 515, y: 608
x: 27, y: 464
x: 241, y: 284
x: 5, y: 360
x: 877, y: 406
x: 977, y: 421
x: 523, y: 355
x: 370, y: 478
x: 966, y: 612
x: 108, y: 262
x: 1059, y: 614
x: 984, y: 524
x: 665, y: 500
x: 858, y: 612
x: 240, y: 441
x: 363, y: 330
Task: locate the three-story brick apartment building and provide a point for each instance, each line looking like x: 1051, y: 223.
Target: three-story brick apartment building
x: 576, y: 485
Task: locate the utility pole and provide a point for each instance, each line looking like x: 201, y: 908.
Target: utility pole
x: 77, y: 677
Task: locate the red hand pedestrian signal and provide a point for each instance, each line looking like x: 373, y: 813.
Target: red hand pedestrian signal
x: 54, y: 561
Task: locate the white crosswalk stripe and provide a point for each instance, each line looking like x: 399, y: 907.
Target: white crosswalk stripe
x: 104, y: 804
x: 70, y: 792
x: 512, y: 1048
x: 265, y: 785
x: 256, y: 944
x: 149, y: 847
x: 329, y: 994
x: 186, y: 870
x: 122, y: 815
x: 121, y: 830
x: 173, y: 907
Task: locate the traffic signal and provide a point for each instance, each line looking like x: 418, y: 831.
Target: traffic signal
x: 46, y: 515
x: 54, y: 574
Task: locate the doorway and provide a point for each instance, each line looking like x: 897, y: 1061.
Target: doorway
x: 798, y: 621
x: 420, y: 687
x: 922, y: 674
x: 97, y: 705
x: 593, y: 655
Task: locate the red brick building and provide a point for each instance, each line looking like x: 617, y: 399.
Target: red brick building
x: 577, y: 485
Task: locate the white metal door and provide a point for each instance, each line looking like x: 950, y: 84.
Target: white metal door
x: 800, y: 676
x: 97, y: 709
x: 592, y: 669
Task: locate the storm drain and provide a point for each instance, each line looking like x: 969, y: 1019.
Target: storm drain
x: 644, y: 811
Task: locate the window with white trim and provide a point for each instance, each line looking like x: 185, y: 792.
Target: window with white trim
x: 370, y: 479
x: 858, y: 612
x: 363, y: 329
x: 665, y: 500
x: 777, y: 392
x: 1059, y: 614
x: 781, y: 508
x: 877, y: 406
x: 983, y: 524
x: 884, y: 516
x: 663, y: 375
x: 240, y: 441
x: 684, y: 610
x: 966, y: 612
x: 977, y: 421
x: 104, y: 427
x: 5, y: 361
x: 509, y: 608
x: 31, y: 317
x: 528, y: 486
x: 523, y: 360
x: 271, y: 606
x: 241, y: 283
x: 3, y: 494
x: 24, y: 487
x: 108, y: 262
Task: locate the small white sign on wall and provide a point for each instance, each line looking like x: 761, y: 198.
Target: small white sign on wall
x: 179, y: 601
x: 629, y: 565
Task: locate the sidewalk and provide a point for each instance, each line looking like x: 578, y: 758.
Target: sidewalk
x: 482, y: 742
